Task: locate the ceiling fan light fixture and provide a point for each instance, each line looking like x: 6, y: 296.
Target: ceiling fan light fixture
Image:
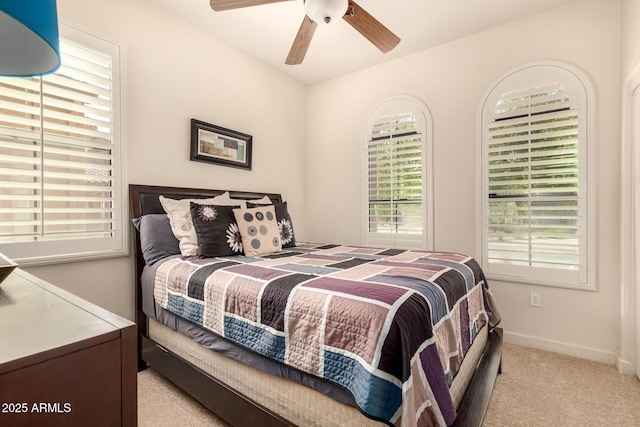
x: 326, y: 11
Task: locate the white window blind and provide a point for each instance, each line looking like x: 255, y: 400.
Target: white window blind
x: 395, y: 182
x: 535, y: 226
x: 59, y: 159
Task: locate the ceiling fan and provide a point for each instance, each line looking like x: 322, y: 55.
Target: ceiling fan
x: 325, y: 12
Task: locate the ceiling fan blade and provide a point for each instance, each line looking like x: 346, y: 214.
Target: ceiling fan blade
x: 301, y: 42
x: 220, y: 5
x: 370, y: 27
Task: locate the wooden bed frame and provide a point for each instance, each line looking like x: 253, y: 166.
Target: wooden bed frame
x: 230, y: 405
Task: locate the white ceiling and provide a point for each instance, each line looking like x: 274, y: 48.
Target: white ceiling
x: 266, y: 32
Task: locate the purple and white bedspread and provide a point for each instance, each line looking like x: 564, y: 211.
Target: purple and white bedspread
x: 391, y: 326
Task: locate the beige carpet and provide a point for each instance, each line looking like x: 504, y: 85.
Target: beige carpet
x: 536, y: 388
x: 160, y: 404
x: 539, y: 388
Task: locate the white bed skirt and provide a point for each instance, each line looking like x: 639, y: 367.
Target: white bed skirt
x: 295, y: 402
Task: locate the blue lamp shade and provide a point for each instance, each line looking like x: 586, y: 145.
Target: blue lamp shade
x: 29, y: 44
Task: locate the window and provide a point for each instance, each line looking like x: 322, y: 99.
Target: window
x: 398, y: 176
x: 536, y: 217
x: 61, y: 183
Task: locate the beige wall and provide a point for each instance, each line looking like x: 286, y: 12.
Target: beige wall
x: 630, y: 25
x: 452, y: 80
x: 172, y: 73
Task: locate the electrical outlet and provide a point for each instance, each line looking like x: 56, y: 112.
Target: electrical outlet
x: 534, y: 299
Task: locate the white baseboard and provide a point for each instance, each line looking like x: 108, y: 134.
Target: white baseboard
x: 625, y: 367
x: 574, y: 350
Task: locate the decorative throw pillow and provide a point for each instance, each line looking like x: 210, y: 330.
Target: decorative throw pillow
x: 216, y: 230
x: 259, y: 230
x: 179, y: 215
x: 285, y: 224
x: 157, y: 240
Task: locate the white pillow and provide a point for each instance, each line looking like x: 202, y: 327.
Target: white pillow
x: 179, y: 214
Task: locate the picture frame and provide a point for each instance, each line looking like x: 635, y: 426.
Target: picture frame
x: 217, y: 145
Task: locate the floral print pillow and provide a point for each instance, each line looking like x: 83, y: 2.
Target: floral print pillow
x: 180, y: 219
x: 216, y: 230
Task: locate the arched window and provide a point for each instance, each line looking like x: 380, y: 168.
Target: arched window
x: 536, y: 215
x: 398, y: 175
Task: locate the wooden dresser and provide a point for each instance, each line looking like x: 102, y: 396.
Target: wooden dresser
x: 63, y: 360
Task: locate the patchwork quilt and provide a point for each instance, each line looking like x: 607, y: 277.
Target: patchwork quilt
x: 391, y: 326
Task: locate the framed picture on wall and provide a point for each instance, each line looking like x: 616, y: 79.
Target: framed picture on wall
x: 215, y: 144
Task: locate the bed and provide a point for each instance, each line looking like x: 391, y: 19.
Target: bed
x: 278, y: 332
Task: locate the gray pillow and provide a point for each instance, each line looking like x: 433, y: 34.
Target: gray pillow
x: 157, y: 241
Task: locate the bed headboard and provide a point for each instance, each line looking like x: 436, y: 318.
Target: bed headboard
x: 145, y: 199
